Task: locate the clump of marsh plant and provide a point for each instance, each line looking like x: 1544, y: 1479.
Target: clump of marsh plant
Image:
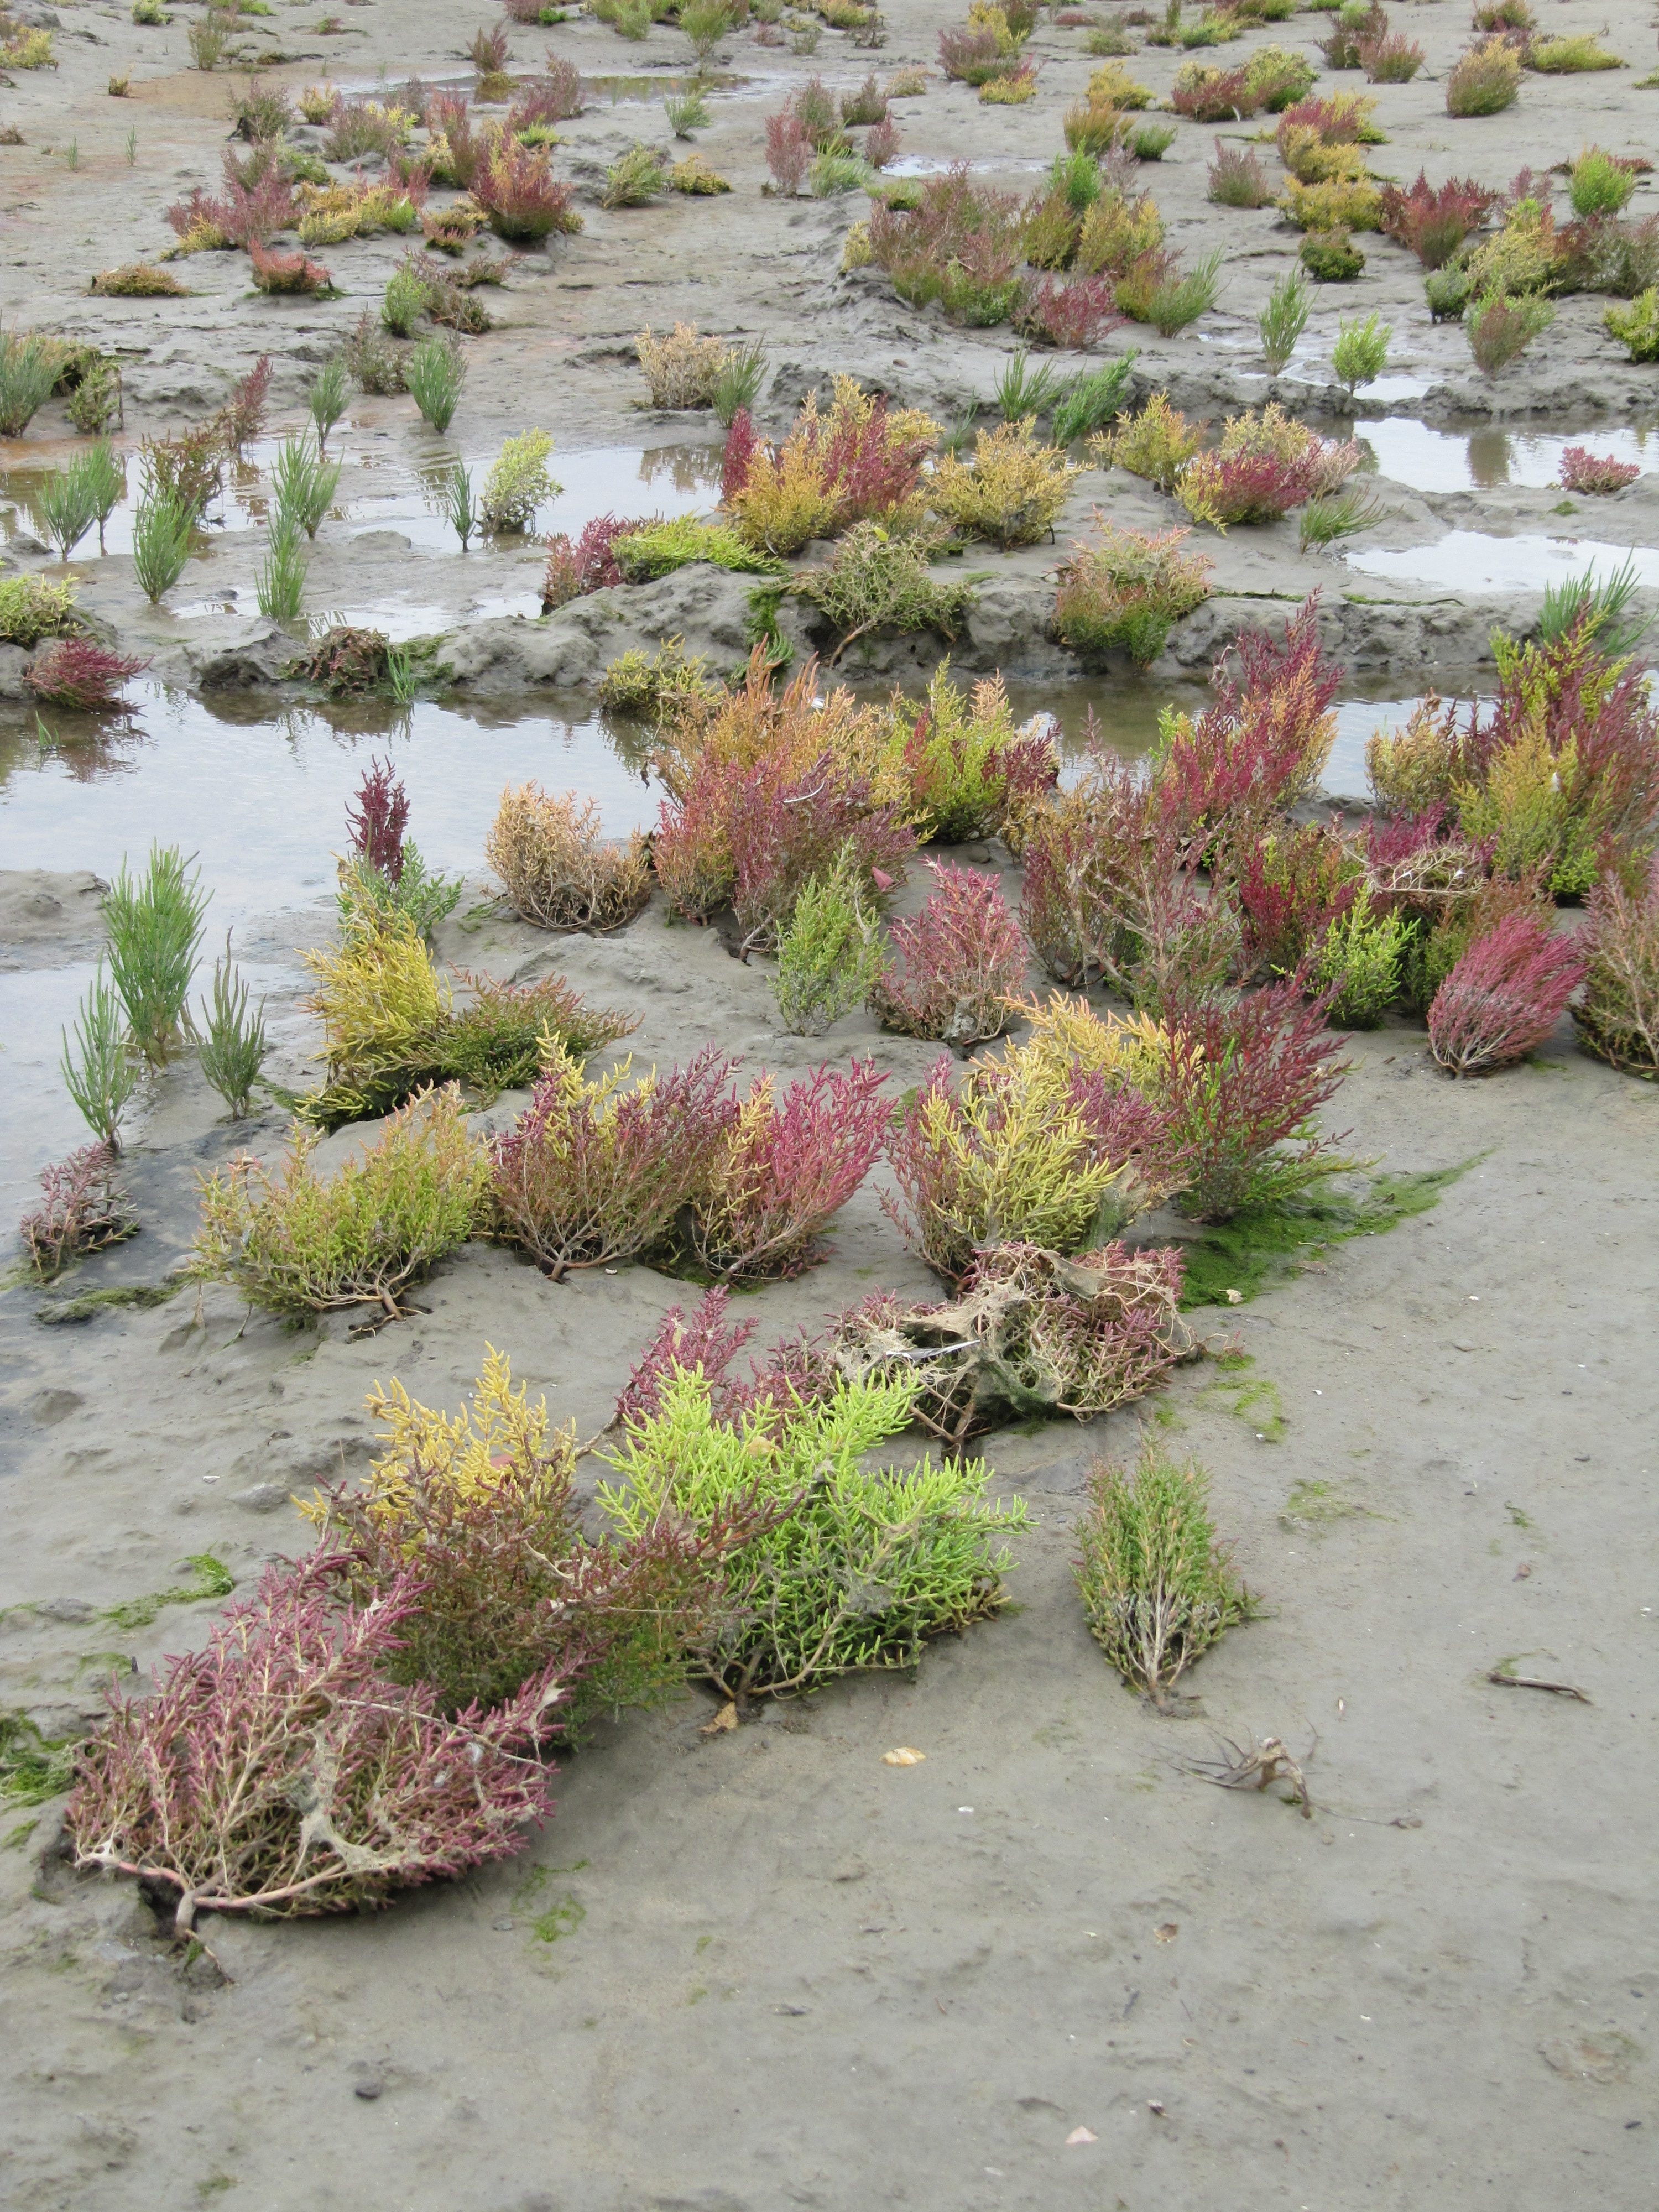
x: 98, y: 1069
x: 829, y: 955
x: 861, y: 1567
x: 303, y: 482
x: 327, y: 399
x: 232, y: 1044
x: 279, y: 585
x: 519, y: 483
x: 1283, y: 320
x: 163, y: 527
x: 300, y: 1245
x: 559, y: 870
x: 738, y: 384
x: 1361, y: 353
x: 434, y: 373
x: 1618, y: 1017
x: 68, y: 503
x: 29, y: 368
x: 1503, y: 997
x: 1157, y: 1589
x: 83, y: 1208
x: 155, y: 924
x: 448, y: 492
x: 961, y: 964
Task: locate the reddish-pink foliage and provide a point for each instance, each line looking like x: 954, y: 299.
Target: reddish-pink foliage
x: 1336, y: 122
x: 245, y: 212
x: 1256, y: 486
x: 83, y: 1209
x: 1072, y: 312
x: 882, y: 143
x: 706, y: 1344
x: 1086, y: 858
x: 1252, y: 751
x: 957, y: 220
x: 553, y: 97
x: 691, y: 849
x: 582, y: 1181
x: 586, y: 565
x: 740, y: 444
x: 969, y: 55
x: 517, y: 190
x: 74, y: 672
x: 1290, y: 889
x: 244, y: 413
x: 1220, y: 95
x: 280, y: 1770
x: 412, y: 173
x: 1503, y: 997
x: 788, y: 151
x: 1583, y: 471
x: 963, y: 958
x: 377, y: 818
x: 287, y: 272
x: 1615, y: 736
x: 788, y: 1167
x: 1434, y: 222
x: 450, y: 114
x: 1243, y: 1082
x: 783, y: 829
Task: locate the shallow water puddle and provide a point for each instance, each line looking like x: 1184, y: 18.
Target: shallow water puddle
x: 261, y: 805
x: 1473, y: 561
x: 1410, y: 452
x: 629, y: 480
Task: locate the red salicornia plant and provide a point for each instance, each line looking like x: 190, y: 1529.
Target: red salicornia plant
x: 281, y: 1770
x: 1433, y: 221
x: 1583, y: 471
x: 962, y: 960
x: 788, y: 1166
x: 377, y: 818
x: 595, y: 1173
x: 83, y: 1208
x: 1503, y: 997
x: 1242, y: 1085
x: 74, y: 672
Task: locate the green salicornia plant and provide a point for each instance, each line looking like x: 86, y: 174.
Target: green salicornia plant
x: 1337, y: 514
x: 162, y: 529
x: 1022, y: 389
x: 686, y: 112
x: 829, y: 957
x: 232, y: 1046
x: 739, y: 382
x: 28, y: 370
x: 280, y: 586
x: 154, y: 926
x: 328, y: 398
x: 400, y: 674
x: 1283, y: 320
x: 305, y: 484
x: 1361, y: 353
x: 1183, y: 301
x: 67, y: 504
x: 133, y: 148
x: 433, y: 375
x: 1092, y: 399
x: 107, y: 477
x: 1601, y: 601
x: 98, y: 1070
x: 1156, y: 1587
x: 449, y: 494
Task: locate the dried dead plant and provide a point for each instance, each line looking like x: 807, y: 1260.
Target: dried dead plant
x: 560, y: 870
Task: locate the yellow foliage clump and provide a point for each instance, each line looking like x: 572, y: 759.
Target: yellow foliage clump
x: 1156, y: 443
x: 1345, y: 203
x: 1117, y: 232
x: 1013, y: 490
x: 794, y: 725
x: 803, y: 489
x: 1112, y: 86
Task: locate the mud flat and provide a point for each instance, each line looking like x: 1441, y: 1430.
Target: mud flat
x: 1046, y: 1965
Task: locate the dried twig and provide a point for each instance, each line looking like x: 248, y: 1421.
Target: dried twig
x: 1534, y: 1682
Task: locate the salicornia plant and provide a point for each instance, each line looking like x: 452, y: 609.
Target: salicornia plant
x: 305, y: 484
x: 161, y: 531
x: 1361, y: 353
x: 1021, y: 390
x: 739, y: 382
x: 1283, y: 320
x: 67, y: 504
x: 107, y: 478
x: 280, y: 586
x: 433, y: 375
x: 449, y: 496
x: 1090, y: 399
x: 232, y: 1046
x: 154, y: 926
x: 98, y: 1071
x: 829, y: 954
x: 328, y: 398
x: 686, y: 112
